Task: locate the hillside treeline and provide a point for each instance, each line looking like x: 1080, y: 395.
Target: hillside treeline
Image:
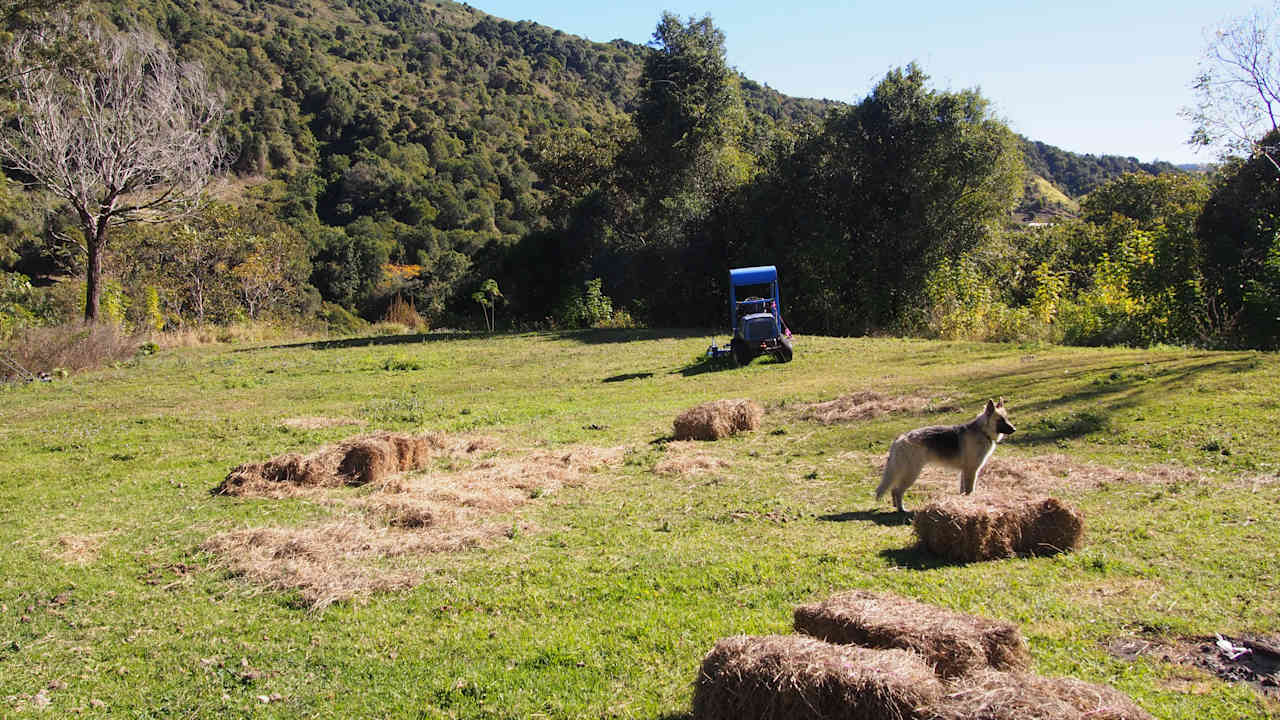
x: 387, y: 158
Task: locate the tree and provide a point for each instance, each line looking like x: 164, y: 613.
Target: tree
x: 129, y: 135
x: 1238, y: 88
x: 861, y: 210
x: 488, y: 296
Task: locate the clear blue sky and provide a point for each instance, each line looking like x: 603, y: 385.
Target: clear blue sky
x: 1101, y: 77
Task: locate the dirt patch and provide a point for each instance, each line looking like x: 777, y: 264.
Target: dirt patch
x: 317, y: 422
x: 1251, y: 658
x: 396, y: 513
x: 717, y: 419
x: 953, y: 643
x: 868, y: 404
x: 969, y: 529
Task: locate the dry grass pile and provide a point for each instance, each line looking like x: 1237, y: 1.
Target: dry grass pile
x: 355, y: 461
x: 970, y: 529
x: 791, y: 677
x: 499, y: 484
x: 314, y: 422
x: 865, y: 405
x: 1046, y: 474
x: 78, y: 549
x: 718, y: 419
x: 397, y: 513
x: 338, y: 560
x: 953, y: 643
x: 680, y: 458
x: 1052, y: 474
x: 992, y: 695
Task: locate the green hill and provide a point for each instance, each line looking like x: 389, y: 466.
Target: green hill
x: 393, y: 131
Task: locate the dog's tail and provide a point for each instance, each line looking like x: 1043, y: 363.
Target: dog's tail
x: 886, y: 481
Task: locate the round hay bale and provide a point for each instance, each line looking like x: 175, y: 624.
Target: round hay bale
x: 792, y: 677
x: 992, y: 695
x: 969, y: 529
x: 717, y: 419
x: 954, y: 643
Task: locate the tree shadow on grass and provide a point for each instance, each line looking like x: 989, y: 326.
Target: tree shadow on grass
x: 369, y: 341
x: 1114, y: 388
x: 886, y: 518
x: 675, y: 716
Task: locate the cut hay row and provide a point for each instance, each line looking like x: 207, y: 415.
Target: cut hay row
x: 398, y: 513
x: 953, y: 643
x: 975, y: 528
x: 355, y: 461
x: 792, y: 677
x: 1038, y: 475
x: 682, y: 458
x: 336, y: 561
x: 717, y: 419
x: 313, y: 422
x: 992, y: 695
x: 868, y: 404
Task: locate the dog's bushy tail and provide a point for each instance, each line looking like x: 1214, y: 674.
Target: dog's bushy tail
x: 886, y: 480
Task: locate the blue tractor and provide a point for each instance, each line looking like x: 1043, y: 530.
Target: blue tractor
x: 756, y: 320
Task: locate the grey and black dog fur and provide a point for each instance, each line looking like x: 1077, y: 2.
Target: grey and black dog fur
x: 962, y: 447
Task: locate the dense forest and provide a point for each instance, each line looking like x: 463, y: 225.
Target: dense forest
x: 387, y: 159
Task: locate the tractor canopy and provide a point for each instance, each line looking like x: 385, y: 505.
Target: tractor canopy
x: 764, y: 300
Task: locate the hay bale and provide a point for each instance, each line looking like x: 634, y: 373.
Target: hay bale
x: 953, y: 643
x: 791, y: 677
x: 718, y: 419
x: 968, y: 529
x: 992, y: 695
x: 368, y: 459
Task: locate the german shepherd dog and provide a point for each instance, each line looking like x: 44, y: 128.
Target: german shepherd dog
x: 962, y: 447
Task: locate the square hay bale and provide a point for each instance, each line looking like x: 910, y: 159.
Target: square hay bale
x: 954, y: 643
x: 718, y: 419
x: 792, y: 677
x: 992, y: 695
x: 969, y: 529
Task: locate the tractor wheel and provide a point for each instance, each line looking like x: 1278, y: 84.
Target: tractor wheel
x: 784, y: 353
x: 741, y: 353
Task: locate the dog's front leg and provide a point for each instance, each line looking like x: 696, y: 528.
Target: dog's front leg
x: 967, y: 481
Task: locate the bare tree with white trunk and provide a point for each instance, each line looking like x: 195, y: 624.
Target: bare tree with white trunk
x: 1238, y: 88
x: 130, y: 134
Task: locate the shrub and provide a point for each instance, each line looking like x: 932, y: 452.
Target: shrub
x: 590, y: 308
x: 341, y: 321
x: 73, y: 346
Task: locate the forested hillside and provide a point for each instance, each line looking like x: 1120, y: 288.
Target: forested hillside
x: 388, y: 157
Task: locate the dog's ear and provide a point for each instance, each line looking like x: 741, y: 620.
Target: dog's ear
x: 991, y: 407
x: 1001, y: 403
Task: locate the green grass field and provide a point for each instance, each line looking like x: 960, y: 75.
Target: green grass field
x: 603, y: 598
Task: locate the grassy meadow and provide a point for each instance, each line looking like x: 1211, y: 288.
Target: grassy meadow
x: 603, y: 596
